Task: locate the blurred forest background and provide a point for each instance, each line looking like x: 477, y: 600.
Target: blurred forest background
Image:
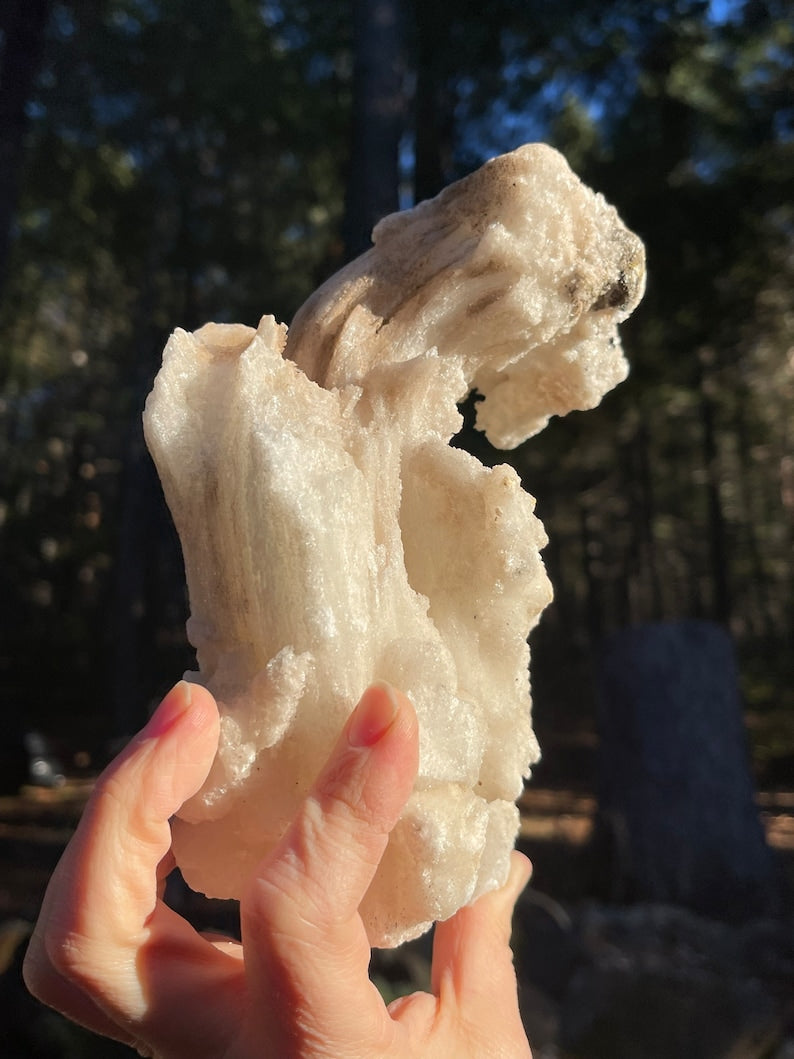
x: 167, y: 162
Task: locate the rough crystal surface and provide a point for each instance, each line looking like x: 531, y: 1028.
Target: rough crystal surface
x: 331, y: 536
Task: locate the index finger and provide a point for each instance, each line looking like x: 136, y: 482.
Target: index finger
x: 103, y: 893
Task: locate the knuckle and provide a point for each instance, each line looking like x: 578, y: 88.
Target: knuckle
x: 69, y: 955
x: 53, y: 961
x: 346, y: 796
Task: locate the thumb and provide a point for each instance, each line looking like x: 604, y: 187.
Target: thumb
x: 472, y: 960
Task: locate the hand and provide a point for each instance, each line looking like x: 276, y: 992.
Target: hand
x: 111, y: 955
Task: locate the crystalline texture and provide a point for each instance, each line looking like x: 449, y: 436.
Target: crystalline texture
x: 331, y: 536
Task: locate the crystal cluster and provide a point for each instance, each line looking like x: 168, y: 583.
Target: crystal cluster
x: 331, y: 535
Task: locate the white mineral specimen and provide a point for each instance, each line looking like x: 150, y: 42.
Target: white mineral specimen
x: 331, y: 536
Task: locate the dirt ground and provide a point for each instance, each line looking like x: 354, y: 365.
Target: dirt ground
x: 562, y: 938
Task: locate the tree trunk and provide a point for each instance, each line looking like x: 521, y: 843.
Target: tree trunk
x: 148, y: 649
x: 433, y: 105
x: 718, y: 550
x: 645, y: 512
x: 23, y: 24
x: 677, y: 819
x: 759, y: 621
x: 378, y: 120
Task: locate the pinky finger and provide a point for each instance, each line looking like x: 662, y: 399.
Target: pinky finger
x: 472, y: 959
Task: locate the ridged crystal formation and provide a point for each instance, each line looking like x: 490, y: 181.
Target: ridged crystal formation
x: 332, y: 537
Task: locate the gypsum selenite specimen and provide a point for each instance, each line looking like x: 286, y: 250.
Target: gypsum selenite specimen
x: 332, y: 537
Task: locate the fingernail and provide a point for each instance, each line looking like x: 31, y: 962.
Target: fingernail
x: 519, y: 875
x: 373, y: 716
x: 171, y: 709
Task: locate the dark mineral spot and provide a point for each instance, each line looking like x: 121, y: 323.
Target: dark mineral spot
x: 614, y: 297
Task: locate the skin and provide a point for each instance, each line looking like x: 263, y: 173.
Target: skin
x: 111, y: 955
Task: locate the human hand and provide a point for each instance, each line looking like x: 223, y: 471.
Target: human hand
x: 111, y: 955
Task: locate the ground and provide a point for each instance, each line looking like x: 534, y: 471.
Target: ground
x: 563, y: 937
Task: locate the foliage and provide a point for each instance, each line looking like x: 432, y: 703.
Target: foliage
x: 188, y: 161
x: 673, y: 499
x: 185, y: 162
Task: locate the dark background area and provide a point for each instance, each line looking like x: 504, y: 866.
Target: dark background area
x: 166, y: 163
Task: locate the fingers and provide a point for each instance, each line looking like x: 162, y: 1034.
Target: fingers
x: 103, y: 894
x: 300, y: 918
x: 334, y: 845
x: 472, y: 960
